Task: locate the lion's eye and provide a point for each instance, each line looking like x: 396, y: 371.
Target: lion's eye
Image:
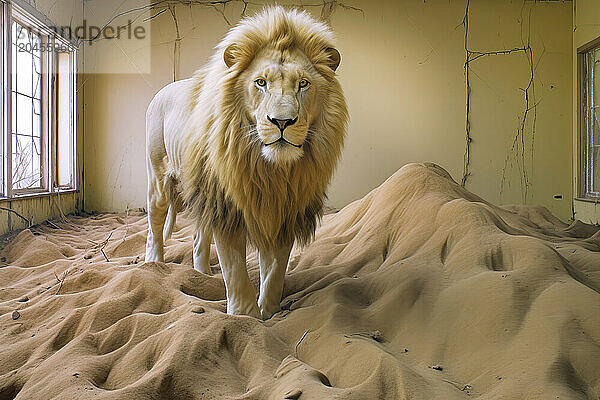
x: 260, y: 82
x: 304, y: 83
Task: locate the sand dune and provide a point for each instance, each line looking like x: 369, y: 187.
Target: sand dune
x: 420, y: 290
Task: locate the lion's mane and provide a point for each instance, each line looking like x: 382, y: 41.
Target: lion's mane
x: 225, y: 181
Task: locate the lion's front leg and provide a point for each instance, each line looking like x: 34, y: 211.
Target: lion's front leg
x: 201, y: 253
x: 157, y: 212
x: 241, y: 298
x: 273, y: 265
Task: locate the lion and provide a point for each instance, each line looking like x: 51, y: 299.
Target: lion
x: 249, y: 145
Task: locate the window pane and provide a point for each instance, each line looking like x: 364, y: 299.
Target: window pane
x: 21, y: 161
x: 36, y: 157
x: 24, y: 73
x: 26, y: 162
x: 14, y: 147
x: 14, y: 113
x: 24, y: 115
x: 591, y: 162
x: 20, y: 34
x: 596, y: 76
x: 594, y: 133
x: 37, y: 78
x: 27, y: 132
x: 595, y: 170
x: 37, y: 119
x: 37, y: 108
x: 64, y: 148
x: 14, y: 63
x: 36, y: 42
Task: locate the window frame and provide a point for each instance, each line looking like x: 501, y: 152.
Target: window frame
x: 585, y: 93
x: 31, y: 19
x: 45, y: 115
x: 56, y: 186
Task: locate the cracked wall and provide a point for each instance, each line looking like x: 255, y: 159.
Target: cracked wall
x: 519, y: 77
x: 403, y: 74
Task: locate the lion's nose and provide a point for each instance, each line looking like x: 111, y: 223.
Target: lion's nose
x: 282, y: 123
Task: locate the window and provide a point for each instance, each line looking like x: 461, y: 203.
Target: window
x: 26, y: 106
x: 38, y: 99
x: 590, y: 127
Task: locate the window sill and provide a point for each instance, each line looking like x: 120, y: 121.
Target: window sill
x: 595, y: 200
x: 37, y: 195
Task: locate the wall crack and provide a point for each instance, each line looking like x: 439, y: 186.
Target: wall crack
x: 518, y: 148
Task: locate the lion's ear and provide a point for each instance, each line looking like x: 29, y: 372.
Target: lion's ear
x: 229, y: 56
x: 334, y: 58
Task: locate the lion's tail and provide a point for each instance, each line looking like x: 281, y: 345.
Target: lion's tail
x: 172, y: 198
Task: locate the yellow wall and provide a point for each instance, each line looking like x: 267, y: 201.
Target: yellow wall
x: 586, y: 27
x: 40, y: 208
x: 402, y: 72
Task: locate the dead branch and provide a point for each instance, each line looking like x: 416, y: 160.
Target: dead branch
x: 61, y: 281
x: 100, y: 246
x: 298, y: 344
x: 52, y: 224
x: 59, y: 205
x: 29, y: 222
x: 126, y: 224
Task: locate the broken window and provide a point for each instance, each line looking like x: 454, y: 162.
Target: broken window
x: 38, y: 99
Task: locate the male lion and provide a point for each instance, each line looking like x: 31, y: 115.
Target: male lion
x: 249, y: 145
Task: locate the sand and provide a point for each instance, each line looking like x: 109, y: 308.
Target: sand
x: 420, y: 290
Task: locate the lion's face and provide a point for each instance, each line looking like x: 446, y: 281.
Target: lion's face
x: 267, y: 128
x: 282, y: 92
